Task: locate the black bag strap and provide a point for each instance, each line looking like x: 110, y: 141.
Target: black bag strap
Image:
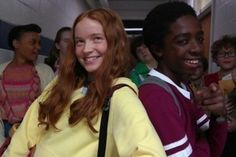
x: 104, y: 120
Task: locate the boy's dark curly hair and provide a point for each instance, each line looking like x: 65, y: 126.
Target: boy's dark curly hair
x: 158, y: 21
x: 224, y: 41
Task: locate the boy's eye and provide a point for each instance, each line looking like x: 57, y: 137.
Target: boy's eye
x: 200, y: 39
x: 182, y: 42
x: 222, y: 54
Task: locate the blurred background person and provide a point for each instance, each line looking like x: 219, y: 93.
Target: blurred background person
x: 59, y: 48
x: 145, y: 60
x: 22, y: 79
x: 197, y: 79
x: 223, y: 53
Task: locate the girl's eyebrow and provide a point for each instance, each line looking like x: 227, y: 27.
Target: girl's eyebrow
x: 93, y: 34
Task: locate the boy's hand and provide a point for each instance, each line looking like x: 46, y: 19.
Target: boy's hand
x: 231, y: 124
x: 234, y: 76
x: 211, y: 99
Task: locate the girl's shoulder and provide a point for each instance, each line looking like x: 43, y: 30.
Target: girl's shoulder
x: 3, y: 66
x: 127, y: 81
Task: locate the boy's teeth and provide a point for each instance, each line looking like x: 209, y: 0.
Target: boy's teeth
x: 192, y: 61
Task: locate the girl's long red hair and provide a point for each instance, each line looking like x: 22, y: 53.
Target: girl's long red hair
x: 73, y: 76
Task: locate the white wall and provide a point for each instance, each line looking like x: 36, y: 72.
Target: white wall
x: 223, y: 22
x: 5, y: 55
x: 49, y: 14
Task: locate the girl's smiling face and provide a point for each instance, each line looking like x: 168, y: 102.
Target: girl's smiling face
x: 90, y: 44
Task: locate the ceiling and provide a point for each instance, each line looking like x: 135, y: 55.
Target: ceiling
x: 132, y: 12
x: 133, y: 9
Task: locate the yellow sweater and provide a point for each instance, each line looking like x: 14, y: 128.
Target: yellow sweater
x: 130, y: 133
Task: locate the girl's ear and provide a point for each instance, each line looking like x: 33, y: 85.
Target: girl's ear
x: 57, y: 46
x: 15, y: 43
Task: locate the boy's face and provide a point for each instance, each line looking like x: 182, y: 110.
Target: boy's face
x: 198, y: 73
x: 226, y: 58
x: 144, y: 54
x: 183, y: 49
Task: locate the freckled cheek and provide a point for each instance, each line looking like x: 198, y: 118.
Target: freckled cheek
x: 103, y: 48
x: 79, y: 58
x: 78, y: 50
x: 78, y: 53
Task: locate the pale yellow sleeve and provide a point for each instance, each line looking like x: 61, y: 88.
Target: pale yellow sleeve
x: 28, y: 133
x: 133, y: 132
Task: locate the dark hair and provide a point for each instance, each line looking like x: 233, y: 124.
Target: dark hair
x: 17, y: 31
x: 158, y: 21
x: 135, y: 43
x: 54, y: 52
x: 204, y: 61
x: 225, y: 41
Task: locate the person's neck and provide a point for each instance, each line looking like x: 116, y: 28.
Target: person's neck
x: 152, y: 64
x: 175, y: 78
x: 91, y: 77
x: 61, y: 56
x: 223, y: 73
x: 20, y: 62
x: 197, y: 81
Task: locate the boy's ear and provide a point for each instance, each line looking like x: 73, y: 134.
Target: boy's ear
x: 214, y: 59
x: 157, y: 51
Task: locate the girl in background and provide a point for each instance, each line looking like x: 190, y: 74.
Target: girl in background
x: 59, y: 48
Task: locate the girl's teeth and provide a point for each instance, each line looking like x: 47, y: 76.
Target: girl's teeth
x: 90, y: 58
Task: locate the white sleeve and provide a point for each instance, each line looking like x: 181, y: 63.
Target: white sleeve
x: 45, y: 73
x: 2, y: 138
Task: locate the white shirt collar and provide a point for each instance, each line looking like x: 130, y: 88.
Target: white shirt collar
x: 183, y: 91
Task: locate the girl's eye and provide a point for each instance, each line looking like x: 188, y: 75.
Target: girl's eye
x: 98, y: 39
x: 32, y: 42
x: 66, y: 40
x: 79, y: 42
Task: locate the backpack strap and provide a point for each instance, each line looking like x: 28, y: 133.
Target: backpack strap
x: 164, y: 85
x: 104, y: 120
